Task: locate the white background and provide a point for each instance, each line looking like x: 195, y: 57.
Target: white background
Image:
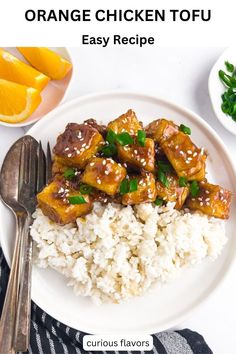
x: 180, y: 75
x: 219, y: 31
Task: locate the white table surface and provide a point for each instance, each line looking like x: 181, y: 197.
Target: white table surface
x: 179, y: 75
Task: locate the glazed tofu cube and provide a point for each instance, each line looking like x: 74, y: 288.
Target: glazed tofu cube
x: 54, y: 203
x: 77, y: 145
x: 104, y: 174
x: 146, y: 191
x: 127, y: 122
x: 212, y: 200
x: 161, y: 130
x: 139, y: 156
x: 172, y: 193
x: 186, y: 158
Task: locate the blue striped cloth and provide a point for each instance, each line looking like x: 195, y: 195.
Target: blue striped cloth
x: 49, y: 336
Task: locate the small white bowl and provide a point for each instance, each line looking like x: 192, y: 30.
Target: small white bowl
x: 216, y: 88
x: 52, y: 95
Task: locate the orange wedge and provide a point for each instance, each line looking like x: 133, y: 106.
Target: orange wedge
x: 46, y: 61
x: 17, y: 102
x: 13, y: 69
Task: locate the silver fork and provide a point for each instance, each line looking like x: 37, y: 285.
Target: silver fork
x: 39, y: 174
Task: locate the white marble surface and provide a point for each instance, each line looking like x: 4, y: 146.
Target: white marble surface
x: 180, y: 75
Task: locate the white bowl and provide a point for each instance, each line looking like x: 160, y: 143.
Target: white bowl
x: 52, y: 95
x: 216, y: 88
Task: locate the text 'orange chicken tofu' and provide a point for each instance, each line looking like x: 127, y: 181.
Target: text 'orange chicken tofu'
x: 172, y: 193
x: 139, y: 156
x: 212, y: 200
x: 54, y: 201
x: 104, y: 174
x: 77, y: 145
x: 127, y: 122
x: 146, y: 191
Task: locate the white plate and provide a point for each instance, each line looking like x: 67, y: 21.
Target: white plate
x: 53, y: 94
x: 169, y: 305
x: 216, y: 88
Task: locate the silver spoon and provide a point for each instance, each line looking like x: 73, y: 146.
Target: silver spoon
x: 9, y: 195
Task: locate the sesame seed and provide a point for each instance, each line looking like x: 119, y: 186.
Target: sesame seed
x: 92, y: 163
x: 66, y: 149
x: 193, y: 199
x: 99, y: 181
x: 83, y: 145
x: 142, y: 160
x: 117, y: 172
x: 207, y: 199
x: 135, y: 151
x: 125, y: 165
x: 119, y: 164
x: 144, y: 163
x: 207, y: 203
x: 105, y: 200
x: 181, y: 152
x: 222, y: 191
x: 104, y: 162
x: 69, y: 155
x: 202, y: 151
x: 189, y: 152
x: 207, y: 192
x: 61, y: 190
x: 189, y: 158
x: 225, y: 201
x: 187, y: 161
x: 201, y: 203
x: 106, y: 172
x: 200, y: 198
x: 176, y: 147
x: 195, y: 154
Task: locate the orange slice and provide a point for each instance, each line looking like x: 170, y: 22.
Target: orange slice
x: 17, y: 102
x: 46, y: 61
x: 13, y: 69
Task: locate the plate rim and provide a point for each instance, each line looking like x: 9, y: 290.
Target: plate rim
x: 221, y: 277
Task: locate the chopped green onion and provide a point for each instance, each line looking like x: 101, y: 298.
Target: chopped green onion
x: 141, y: 137
x: 163, y: 178
x: 69, y: 173
x: 124, y: 139
x: 183, y: 182
x: 133, y: 185
x: 111, y: 136
x: 124, y: 187
x: 229, y: 67
x: 77, y: 199
x: 109, y: 150
x: 158, y: 202
x: 194, y: 189
x: 85, y: 189
x: 186, y: 130
x: 164, y: 166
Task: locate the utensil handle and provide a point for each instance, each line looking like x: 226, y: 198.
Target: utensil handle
x: 22, y: 329
x: 7, y: 324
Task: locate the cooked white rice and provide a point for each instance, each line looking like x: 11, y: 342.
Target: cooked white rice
x: 118, y: 252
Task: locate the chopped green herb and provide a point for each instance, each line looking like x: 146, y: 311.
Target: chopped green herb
x: 141, y: 137
x: 183, y: 182
x: 229, y: 81
x: 69, y: 173
x: 186, y: 130
x: 229, y: 67
x: 109, y: 150
x: 124, y: 187
x: 194, y: 189
x: 124, y: 139
x: 111, y: 136
x: 158, y: 202
x: 133, y: 185
x: 164, y: 166
x: 163, y: 178
x: 85, y: 189
x: 77, y: 199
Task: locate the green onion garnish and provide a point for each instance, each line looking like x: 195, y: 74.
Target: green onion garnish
x: 124, y: 187
x: 77, y: 199
x: 229, y: 67
x: 111, y: 136
x: 158, y: 202
x: 141, y: 137
x: 163, y: 178
x: 69, y: 173
x: 109, y: 150
x: 194, y: 189
x: 85, y: 189
x: 183, y: 182
x: 228, y: 80
x: 124, y: 139
x: 186, y: 130
x: 133, y: 185
x: 164, y: 166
